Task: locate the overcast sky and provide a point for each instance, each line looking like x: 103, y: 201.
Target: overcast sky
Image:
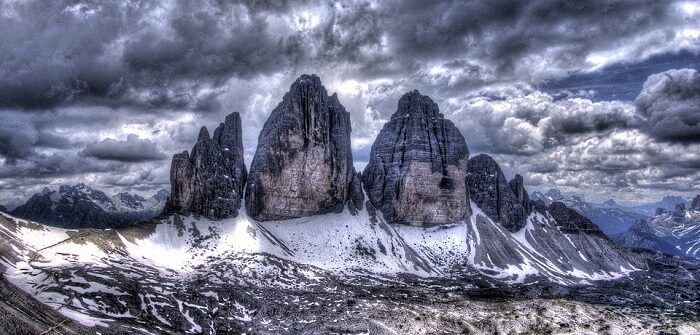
x: 601, y: 98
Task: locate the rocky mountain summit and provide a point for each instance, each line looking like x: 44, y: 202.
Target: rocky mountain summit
x: 495, y: 195
x: 303, y: 163
x: 81, y: 206
x: 417, y: 168
x: 210, y: 180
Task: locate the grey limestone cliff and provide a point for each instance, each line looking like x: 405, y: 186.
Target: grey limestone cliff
x: 417, y: 168
x: 303, y: 162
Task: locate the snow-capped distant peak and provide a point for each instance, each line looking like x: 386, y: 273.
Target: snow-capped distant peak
x: 81, y: 206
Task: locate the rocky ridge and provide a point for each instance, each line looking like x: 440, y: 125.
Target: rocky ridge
x: 417, y: 168
x: 210, y: 180
x: 572, y: 222
x: 303, y: 163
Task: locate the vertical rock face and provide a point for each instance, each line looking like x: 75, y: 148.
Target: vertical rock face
x: 490, y: 190
x: 210, y: 180
x: 417, y: 168
x: 303, y: 163
x: 518, y: 187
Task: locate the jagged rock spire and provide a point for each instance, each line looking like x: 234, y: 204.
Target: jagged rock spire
x: 518, y: 186
x: 490, y: 190
x: 210, y: 180
x: 417, y: 168
x: 303, y: 162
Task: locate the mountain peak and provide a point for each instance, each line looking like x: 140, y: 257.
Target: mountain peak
x: 309, y: 85
x: 210, y: 180
x: 303, y: 162
x: 162, y: 195
x: 413, y: 103
x: 203, y: 134
x: 80, y: 206
x: 555, y: 194
x: 424, y: 185
x: 490, y: 190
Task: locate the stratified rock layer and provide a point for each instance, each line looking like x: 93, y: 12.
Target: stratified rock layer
x: 210, y: 180
x: 303, y: 163
x: 490, y: 190
x: 417, y: 168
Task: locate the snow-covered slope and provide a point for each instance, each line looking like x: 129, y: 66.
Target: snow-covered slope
x: 343, y: 243
x: 95, y: 275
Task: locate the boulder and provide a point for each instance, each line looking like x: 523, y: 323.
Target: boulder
x: 303, y: 162
x: 209, y: 181
x: 417, y: 167
x: 490, y: 190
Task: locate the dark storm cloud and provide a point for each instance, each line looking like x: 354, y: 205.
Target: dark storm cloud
x: 133, y: 53
x: 506, y: 34
x: 17, y: 136
x: 591, y: 118
x: 620, y: 81
x: 132, y: 149
x: 173, y: 54
x: 670, y: 101
x: 57, y: 165
x: 536, y: 122
x: 73, y: 73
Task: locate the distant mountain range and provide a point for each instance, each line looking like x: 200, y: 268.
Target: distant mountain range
x: 80, y: 206
x: 674, y: 232
x: 611, y: 217
x: 671, y: 226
